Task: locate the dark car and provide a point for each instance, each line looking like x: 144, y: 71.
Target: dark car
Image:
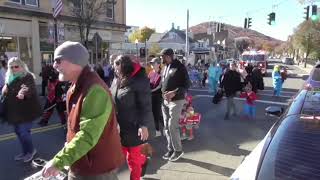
x: 288, y: 61
x: 313, y: 80
x: 291, y: 149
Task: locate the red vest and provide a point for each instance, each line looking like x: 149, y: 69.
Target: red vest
x: 106, y: 155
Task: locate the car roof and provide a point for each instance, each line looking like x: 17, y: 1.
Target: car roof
x: 294, y: 151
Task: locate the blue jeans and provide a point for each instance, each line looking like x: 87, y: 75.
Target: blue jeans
x: 23, y: 132
x: 250, y: 110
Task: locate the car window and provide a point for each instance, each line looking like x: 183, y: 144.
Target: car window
x: 294, y: 152
x: 316, y: 74
x: 311, y: 105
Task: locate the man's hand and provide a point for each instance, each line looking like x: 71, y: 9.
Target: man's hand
x: 49, y: 170
x: 169, y: 95
x: 143, y: 133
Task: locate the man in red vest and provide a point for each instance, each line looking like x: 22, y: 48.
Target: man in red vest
x: 93, y: 148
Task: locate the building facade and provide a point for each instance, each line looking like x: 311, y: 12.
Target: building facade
x: 27, y: 30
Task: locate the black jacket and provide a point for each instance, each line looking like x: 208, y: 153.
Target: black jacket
x: 133, y: 107
x: 177, y: 78
x: 231, y: 82
x: 26, y: 110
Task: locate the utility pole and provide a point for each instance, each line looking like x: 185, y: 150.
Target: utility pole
x: 187, y: 38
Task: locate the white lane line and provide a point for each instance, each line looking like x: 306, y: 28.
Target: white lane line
x: 203, y: 90
x: 270, y: 95
x: 285, y: 92
x: 242, y: 99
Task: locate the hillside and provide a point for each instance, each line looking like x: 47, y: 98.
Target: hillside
x: 257, y: 37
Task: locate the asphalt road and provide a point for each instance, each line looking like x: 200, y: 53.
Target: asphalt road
x: 218, y: 148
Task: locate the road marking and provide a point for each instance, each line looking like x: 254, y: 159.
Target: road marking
x: 285, y: 92
x: 270, y: 95
x: 9, y: 136
x: 242, y: 99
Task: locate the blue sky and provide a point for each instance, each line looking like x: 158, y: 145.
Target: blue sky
x: 160, y: 14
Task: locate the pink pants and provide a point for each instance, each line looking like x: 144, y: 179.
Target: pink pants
x: 135, y: 160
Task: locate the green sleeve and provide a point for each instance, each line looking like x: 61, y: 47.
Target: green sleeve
x: 95, y: 112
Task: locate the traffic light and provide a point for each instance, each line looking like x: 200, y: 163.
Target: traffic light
x: 249, y: 22
x: 272, y: 18
x: 306, y: 13
x: 142, y: 52
x: 245, y: 23
x: 314, y: 13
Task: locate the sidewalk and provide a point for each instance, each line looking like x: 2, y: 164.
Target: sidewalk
x: 307, y: 69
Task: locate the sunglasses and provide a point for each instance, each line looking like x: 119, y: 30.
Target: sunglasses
x: 14, y: 67
x: 57, y: 61
x: 117, y: 63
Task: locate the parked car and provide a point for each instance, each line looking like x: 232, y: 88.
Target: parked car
x: 288, y: 61
x: 291, y: 148
x: 313, y: 81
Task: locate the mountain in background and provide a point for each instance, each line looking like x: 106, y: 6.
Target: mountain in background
x: 235, y: 31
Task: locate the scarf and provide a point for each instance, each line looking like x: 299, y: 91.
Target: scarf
x: 14, y: 77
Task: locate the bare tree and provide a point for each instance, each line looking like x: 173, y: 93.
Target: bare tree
x: 242, y: 43
x: 87, y: 13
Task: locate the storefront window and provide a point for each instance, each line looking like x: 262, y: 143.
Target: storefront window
x: 25, y: 45
x: 8, y: 47
x: 32, y: 2
x: 16, y: 1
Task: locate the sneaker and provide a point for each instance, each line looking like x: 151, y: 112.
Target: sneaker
x: 176, y: 155
x: 184, y: 137
x: 158, y: 133
x: 28, y: 157
x: 190, y: 138
x: 19, y: 157
x: 167, y: 155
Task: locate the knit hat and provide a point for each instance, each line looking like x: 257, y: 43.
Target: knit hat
x: 73, y: 52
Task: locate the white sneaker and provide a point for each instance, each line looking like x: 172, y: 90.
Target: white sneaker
x: 19, y: 157
x: 158, y: 133
x: 28, y: 157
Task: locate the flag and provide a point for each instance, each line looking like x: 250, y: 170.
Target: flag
x: 57, y: 8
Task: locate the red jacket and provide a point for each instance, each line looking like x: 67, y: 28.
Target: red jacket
x: 251, y: 97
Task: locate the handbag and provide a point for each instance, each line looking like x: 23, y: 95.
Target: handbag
x: 2, y: 106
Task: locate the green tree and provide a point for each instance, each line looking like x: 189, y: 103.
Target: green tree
x: 307, y: 37
x: 141, y: 35
x: 154, y: 49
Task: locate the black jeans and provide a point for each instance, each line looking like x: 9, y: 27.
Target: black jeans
x: 43, y: 87
x: 156, y: 110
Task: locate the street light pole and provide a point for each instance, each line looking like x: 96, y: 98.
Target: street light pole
x: 146, y: 52
x: 136, y: 41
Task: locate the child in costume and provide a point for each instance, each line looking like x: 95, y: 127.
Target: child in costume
x: 189, y: 120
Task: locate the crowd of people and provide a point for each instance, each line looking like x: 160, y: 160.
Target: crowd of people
x: 113, y: 110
